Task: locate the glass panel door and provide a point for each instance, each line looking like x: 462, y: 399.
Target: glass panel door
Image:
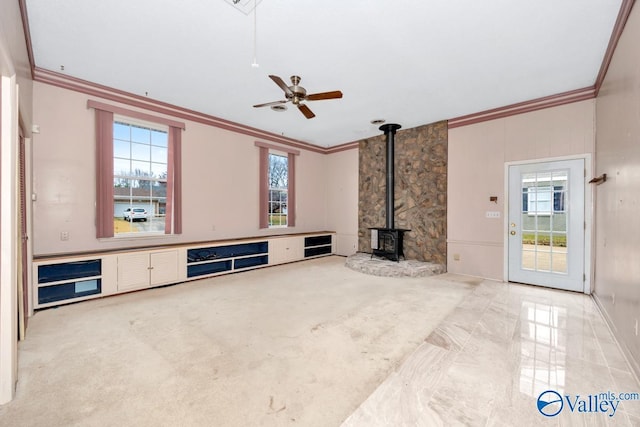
x: 546, y: 238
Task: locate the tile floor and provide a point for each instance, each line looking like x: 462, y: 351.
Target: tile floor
x: 491, y: 358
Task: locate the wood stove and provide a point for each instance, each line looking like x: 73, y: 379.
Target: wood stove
x: 387, y: 242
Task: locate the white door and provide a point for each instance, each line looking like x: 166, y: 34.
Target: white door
x: 163, y: 267
x: 133, y: 271
x: 546, y: 224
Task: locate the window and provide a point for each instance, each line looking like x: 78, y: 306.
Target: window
x: 539, y: 200
x: 138, y: 168
x: 544, y: 194
x: 277, y: 186
x: 278, y: 189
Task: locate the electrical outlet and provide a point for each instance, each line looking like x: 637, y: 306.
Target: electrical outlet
x: 492, y: 214
x: 456, y: 257
x: 64, y: 236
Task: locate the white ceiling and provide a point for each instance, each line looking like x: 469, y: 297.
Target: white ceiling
x: 411, y: 62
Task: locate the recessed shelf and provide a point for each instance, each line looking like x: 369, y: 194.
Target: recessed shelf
x: 218, y: 259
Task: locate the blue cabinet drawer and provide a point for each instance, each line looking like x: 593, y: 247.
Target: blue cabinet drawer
x: 250, y: 262
x: 318, y: 250
x: 208, y: 268
x: 317, y: 240
x: 229, y: 251
x: 69, y: 270
x: 64, y: 291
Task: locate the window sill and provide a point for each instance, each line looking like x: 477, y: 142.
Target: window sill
x: 136, y: 237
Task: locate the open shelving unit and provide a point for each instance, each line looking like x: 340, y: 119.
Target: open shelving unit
x: 318, y: 245
x: 63, y: 279
x: 68, y: 281
x: 205, y: 261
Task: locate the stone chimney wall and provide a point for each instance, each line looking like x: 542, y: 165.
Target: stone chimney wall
x: 420, y: 190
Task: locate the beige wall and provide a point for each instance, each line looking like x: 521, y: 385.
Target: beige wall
x: 15, y: 90
x: 477, y: 157
x: 220, y: 181
x: 342, y: 201
x: 617, y: 270
x: 14, y: 59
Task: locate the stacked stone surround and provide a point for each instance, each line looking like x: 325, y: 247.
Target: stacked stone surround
x: 375, y: 266
x: 420, y: 190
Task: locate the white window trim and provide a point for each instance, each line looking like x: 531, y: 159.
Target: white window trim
x: 284, y: 154
x: 148, y: 125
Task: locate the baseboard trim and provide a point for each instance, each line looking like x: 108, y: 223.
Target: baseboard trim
x: 633, y: 364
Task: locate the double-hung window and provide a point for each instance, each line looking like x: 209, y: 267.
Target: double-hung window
x: 140, y: 170
x: 138, y: 164
x: 278, y: 190
x: 277, y: 186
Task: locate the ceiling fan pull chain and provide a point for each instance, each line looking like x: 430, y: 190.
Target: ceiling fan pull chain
x: 255, y: 64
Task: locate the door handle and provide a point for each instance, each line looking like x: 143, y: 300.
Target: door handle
x: 513, y: 233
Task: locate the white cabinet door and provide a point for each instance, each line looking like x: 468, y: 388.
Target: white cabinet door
x: 164, y: 267
x: 145, y: 269
x: 133, y: 271
x: 286, y: 249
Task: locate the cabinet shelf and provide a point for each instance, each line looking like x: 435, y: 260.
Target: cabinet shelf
x: 218, y: 259
x: 69, y: 270
x: 318, y: 245
x: 68, y: 281
x: 69, y: 290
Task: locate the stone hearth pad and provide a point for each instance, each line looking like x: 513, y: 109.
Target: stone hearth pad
x: 376, y: 266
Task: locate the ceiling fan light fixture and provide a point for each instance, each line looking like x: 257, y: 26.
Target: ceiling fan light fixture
x: 297, y: 95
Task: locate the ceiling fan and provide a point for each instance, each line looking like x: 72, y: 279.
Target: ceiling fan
x: 297, y: 94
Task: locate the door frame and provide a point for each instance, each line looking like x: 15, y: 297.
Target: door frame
x: 588, y: 214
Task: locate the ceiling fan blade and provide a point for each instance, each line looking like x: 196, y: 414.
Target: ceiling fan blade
x: 324, y: 95
x: 282, y: 84
x: 267, y: 104
x: 306, y: 111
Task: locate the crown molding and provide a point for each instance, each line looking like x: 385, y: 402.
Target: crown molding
x: 71, y: 83
x: 27, y: 33
x: 524, y: 107
x: 621, y: 21
x: 561, y: 98
x: 133, y: 100
x: 343, y: 147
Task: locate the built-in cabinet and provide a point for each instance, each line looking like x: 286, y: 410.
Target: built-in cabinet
x: 147, y: 269
x: 66, y: 279
x: 210, y: 260
x: 318, y: 245
x: 69, y: 280
x: 285, y: 249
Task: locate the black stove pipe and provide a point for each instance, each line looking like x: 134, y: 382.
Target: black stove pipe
x: 389, y: 130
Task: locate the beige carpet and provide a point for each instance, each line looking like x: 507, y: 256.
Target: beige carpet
x: 300, y: 344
